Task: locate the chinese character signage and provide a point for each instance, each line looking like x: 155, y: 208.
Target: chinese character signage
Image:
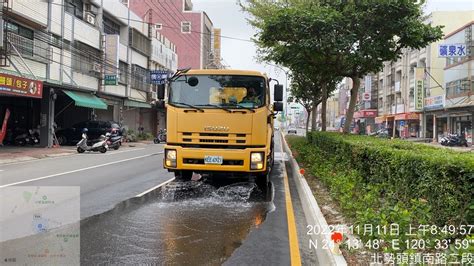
x: 159, y: 76
x: 434, y: 102
x: 18, y: 86
x: 110, y: 79
x: 452, y: 50
x: 419, y: 87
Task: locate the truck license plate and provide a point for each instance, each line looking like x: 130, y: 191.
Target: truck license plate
x: 213, y: 159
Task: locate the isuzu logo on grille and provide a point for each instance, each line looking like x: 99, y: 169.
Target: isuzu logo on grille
x: 216, y: 128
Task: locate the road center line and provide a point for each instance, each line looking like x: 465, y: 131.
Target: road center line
x: 153, y: 188
x: 116, y: 152
x: 78, y: 170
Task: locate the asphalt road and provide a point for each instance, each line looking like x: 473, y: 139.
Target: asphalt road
x: 125, y: 219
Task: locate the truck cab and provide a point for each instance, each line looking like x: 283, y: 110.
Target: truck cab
x: 221, y: 122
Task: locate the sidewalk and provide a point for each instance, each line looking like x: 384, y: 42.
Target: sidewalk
x: 12, y: 154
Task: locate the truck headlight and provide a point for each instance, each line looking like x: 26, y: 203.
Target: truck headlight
x: 170, y: 158
x: 256, y: 161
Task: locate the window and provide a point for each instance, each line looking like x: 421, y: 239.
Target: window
x: 20, y: 37
x: 139, y: 42
x: 110, y: 27
x: 186, y: 27
x: 85, y: 58
x: 74, y: 7
x: 219, y: 91
x: 158, y: 26
x: 457, y: 88
x: 139, y: 77
x: 123, y: 72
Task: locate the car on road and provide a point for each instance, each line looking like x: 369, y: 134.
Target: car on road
x: 292, y: 130
x: 73, y: 134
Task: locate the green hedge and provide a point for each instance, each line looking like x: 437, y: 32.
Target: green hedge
x: 379, y: 181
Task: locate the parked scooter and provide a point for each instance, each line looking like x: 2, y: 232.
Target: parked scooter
x: 100, y: 146
x: 161, y: 137
x: 454, y: 140
x: 114, y: 140
x: 31, y: 137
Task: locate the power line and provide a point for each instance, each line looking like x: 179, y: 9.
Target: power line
x: 205, y: 33
x: 98, y: 58
x: 194, y: 44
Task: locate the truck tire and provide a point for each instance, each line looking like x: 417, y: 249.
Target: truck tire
x: 263, y: 179
x: 183, y: 175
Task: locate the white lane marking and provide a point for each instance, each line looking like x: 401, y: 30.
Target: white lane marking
x: 116, y: 152
x: 78, y: 170
x: 153, y: 188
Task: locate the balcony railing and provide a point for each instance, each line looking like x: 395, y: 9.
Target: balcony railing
x: 28, y: 48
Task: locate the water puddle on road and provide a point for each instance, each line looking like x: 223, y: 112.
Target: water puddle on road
x: 191, y: 223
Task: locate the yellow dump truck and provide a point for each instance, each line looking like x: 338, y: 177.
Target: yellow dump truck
x: 220, y: 122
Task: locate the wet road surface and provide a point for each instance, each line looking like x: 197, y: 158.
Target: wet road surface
x: 205, y: 222
x: 183, y: 223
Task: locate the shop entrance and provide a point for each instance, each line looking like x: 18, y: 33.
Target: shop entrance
x: 24, y: 115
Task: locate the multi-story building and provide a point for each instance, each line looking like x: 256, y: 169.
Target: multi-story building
x: 190, y: 30
x: 83, y: 59
x: 459, y: 87
x: 396, y: 83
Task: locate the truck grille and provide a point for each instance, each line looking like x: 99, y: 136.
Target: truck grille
x: 213, y: 138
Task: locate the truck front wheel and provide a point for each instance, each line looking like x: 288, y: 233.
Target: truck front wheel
x: 263, y: 179
x: 183, y: 175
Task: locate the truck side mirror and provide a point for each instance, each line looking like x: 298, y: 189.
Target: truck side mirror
x: 277, y: 106
x: 161, y: 92
x: 278, y: 93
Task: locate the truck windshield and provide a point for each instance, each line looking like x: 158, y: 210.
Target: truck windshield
x: 218, y: 91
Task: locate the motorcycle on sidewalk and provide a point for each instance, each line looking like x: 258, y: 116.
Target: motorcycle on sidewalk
x: 454, y: 140
x: 100, y: 146
x: 161, y: 137
x: 30, y: 137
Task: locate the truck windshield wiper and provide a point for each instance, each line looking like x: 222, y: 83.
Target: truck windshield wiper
x: 189, y: 105
x: 234, y: 105
x: 217, y: 106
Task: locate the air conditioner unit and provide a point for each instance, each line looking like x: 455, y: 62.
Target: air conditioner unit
x: 90, y: 18
x: 92, y: 8
x: 95, y: 68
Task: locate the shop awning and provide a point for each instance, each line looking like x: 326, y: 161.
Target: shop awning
x: 383, y: 119
x: 408, y: 116
x: 136, y: 104
x: 86, y: 100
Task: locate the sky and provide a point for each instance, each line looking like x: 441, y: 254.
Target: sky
x: 227, y: 15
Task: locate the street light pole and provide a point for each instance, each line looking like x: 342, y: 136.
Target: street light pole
x: 286, y: 89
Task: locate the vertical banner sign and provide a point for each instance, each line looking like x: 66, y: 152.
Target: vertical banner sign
x: 367, y: 96
x: 419, y: 88
x: 3, y: 133
x: 111, y: 59
x: 217, y: 46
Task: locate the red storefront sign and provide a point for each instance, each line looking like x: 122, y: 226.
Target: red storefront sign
x: 365, y: 113
x: 18, y: 86
x: 408, y: 116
